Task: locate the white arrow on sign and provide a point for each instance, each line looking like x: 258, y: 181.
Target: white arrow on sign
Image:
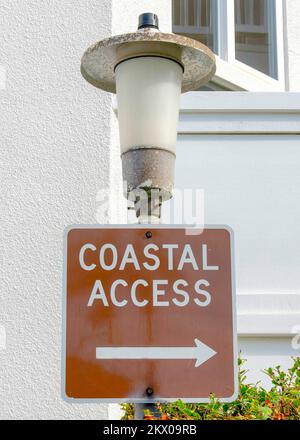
x: 200, y: 352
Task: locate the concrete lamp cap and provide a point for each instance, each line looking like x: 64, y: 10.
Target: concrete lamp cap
x: 100, y: 60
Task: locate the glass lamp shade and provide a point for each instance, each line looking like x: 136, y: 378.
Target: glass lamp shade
x: 148, y: 94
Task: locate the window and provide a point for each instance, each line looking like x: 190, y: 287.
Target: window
x: 245, y: 34
x: 255, y: 35
x: 195, y: 20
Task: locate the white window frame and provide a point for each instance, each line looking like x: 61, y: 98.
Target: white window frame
x: 233, y: 74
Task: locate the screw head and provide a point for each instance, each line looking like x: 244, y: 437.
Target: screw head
x: 149, y: 391
x: 148, y: 234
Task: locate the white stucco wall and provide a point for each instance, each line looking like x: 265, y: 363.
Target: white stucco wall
x: 55, y: 137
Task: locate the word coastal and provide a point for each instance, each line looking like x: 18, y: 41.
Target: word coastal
x: 169, y: 258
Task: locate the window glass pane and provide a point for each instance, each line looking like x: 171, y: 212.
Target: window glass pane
x: 255, y: 34
x: 195, y: 19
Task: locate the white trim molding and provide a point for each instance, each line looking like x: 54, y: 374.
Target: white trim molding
x: 220, y: 113
x: 238, y: 76
x: 261, y: 315
x: 239, y: 113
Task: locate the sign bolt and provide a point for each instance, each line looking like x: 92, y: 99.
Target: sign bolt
x: 148, y: 234
x: 149, y: 391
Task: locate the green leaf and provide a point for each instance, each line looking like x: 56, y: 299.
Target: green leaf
x: 265, y: 412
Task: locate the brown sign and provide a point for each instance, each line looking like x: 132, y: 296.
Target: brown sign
x: 149, y: 314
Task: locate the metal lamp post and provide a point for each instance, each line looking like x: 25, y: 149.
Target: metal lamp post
x: 148, y: 70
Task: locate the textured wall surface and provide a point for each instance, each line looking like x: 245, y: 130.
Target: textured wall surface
x: 55, y: 137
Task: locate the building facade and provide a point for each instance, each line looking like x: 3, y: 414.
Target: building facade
x: 60, y: 166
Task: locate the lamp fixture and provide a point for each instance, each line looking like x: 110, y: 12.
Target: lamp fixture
x: 148, y: 70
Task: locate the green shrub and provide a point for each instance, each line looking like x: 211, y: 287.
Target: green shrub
x: 281, y: 402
